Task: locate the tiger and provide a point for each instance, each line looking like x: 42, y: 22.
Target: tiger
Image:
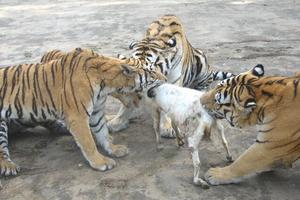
x: 16, y: 125
x: 72, y: 89
x: 272, y: 104
x: 166, y: 48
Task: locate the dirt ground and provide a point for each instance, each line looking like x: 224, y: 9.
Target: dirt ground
x: 236, y: 35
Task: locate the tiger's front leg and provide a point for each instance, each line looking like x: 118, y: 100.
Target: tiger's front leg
x: 80, y: 130
x: 99, y: 129
x: 7, y: 166
x: 257, y: 158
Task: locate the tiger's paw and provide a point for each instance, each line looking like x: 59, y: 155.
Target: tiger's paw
x: 116, y: 124
x: 103, y: 164
x: 218, y: 176
x: 8, y: 168
x: 119, y: 151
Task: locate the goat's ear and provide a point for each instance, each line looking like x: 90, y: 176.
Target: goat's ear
x: 132, y: 45
x: 127, y: 70
x: 258, y: 70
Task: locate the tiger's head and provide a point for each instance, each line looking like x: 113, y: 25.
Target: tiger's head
x: 235, y: 98
x: 164, y: 40
x: 117, y: 74
x: 141, y: 79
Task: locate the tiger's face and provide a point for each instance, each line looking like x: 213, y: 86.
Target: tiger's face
x: 136, y: 79
x: 234, y: 99
x: 146, y: 79
x: 114, y: 74
x: 163, y: 40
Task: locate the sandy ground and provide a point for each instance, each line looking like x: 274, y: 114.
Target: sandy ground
x: 235, y: 35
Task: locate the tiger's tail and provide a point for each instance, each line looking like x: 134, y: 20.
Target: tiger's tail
x: 4, y: 141
x: 7, y: 166
x: 205, y: 81
x: 221, y: 75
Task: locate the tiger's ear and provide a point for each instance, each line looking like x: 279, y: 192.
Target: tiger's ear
x: 258, y: 70
x: 127, y: 70
x: 132, y: 45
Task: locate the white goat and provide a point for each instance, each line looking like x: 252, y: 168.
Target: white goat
x: 184, y: 108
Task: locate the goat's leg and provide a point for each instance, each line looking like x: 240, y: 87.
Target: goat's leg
x: 179, y: 136
x: 193, y: 143
x: 221, y: 134
x: 156, y: 125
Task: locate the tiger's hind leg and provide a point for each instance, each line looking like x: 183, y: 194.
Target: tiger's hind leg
x: 7, y: 166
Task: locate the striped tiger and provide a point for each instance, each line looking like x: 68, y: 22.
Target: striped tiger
x: 73, y: 89
x: 166, y: 48
x: 272, y: 105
